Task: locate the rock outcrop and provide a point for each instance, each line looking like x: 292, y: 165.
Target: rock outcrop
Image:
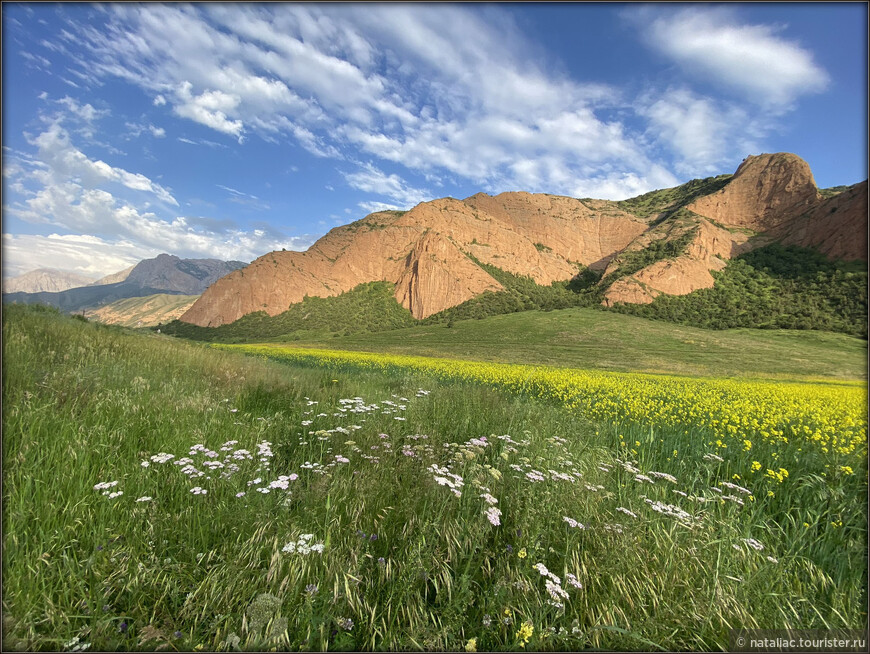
x: 428, y: 253
x: 772, y: 195
x: 837, y: 226
x: 431, y: 253
x: 766, y: 191
x: 708, y: 250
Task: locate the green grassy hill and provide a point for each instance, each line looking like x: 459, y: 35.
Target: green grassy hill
x: 590, y: 338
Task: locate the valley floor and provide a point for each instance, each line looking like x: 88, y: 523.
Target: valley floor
x: 167, y: 495
x: 599, y: 340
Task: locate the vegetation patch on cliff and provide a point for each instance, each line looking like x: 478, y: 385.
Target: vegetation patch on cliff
x: 368, y: 307
x: 774, y: 287
x: 522, y: 293
x: 669, y: 200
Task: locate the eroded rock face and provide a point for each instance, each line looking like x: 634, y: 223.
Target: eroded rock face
x: 708, y: 250
x: 765, y: 191
x: 438, y: 275
x: 774, y: 196
x: 429, y: 251
x: 837, y: 226
x: 425, y: 253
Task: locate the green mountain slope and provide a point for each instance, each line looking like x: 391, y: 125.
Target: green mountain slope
x: 368, y: 307
x: 774, y: 287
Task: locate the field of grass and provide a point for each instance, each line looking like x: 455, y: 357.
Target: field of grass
x: 592, y: 339
x: 167, y: 495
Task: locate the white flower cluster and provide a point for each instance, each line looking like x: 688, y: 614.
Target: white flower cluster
x: 197, y: 490
x: 626, y: 511
x: 663, y: 475
x: 628, y: 466
x: 489, y: 499
x: 573, y: 523
x: 303, y: 545
x: 669, y: 510
x: 493, y: 514
x: 105, y: 486
x: 713, y: 457
x: 554, y: 586
x: 75, y: 645
x: 444, y: 477
x: 739, y: 489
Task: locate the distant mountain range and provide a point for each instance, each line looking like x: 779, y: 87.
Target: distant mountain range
x: 443, y: 253
x: 48, y: 280
x: 51, y: 280
x: 164, y: 274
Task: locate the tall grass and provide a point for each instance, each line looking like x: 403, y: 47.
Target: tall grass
x: 371, y: 460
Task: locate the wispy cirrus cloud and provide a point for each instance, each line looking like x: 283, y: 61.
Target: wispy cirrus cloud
x: 751, y: 59
x: 371, y: 179
x: 438, y: 90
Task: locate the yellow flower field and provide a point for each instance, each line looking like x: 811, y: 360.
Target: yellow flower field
x: 820, y: 417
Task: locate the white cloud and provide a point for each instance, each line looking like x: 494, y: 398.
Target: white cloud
x: 703, y: 134
x: 84, y: 112
x: 372, y: 180
x: 67, y: 190
x: 159, y: 100
x: 134, y: 130
x: 208, y: 108
x: 752, y: 59
x: 67, y: 162
x: 437, y: 90
x: 372, y: 207
x: 87, y: 255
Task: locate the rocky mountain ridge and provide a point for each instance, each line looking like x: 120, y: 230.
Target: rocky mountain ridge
x: 430, y: 253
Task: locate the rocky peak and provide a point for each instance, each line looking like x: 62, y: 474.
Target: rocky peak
x: 186, y: 276
x: 765, y: 191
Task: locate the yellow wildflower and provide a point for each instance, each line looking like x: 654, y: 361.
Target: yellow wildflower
x: 471, y: 645
x: 524, y: 633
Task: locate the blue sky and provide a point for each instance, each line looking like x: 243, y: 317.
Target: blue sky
x: 228, y: 131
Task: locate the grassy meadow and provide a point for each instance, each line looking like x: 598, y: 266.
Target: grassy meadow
x: 166, y: 495
x: 594, y: 339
